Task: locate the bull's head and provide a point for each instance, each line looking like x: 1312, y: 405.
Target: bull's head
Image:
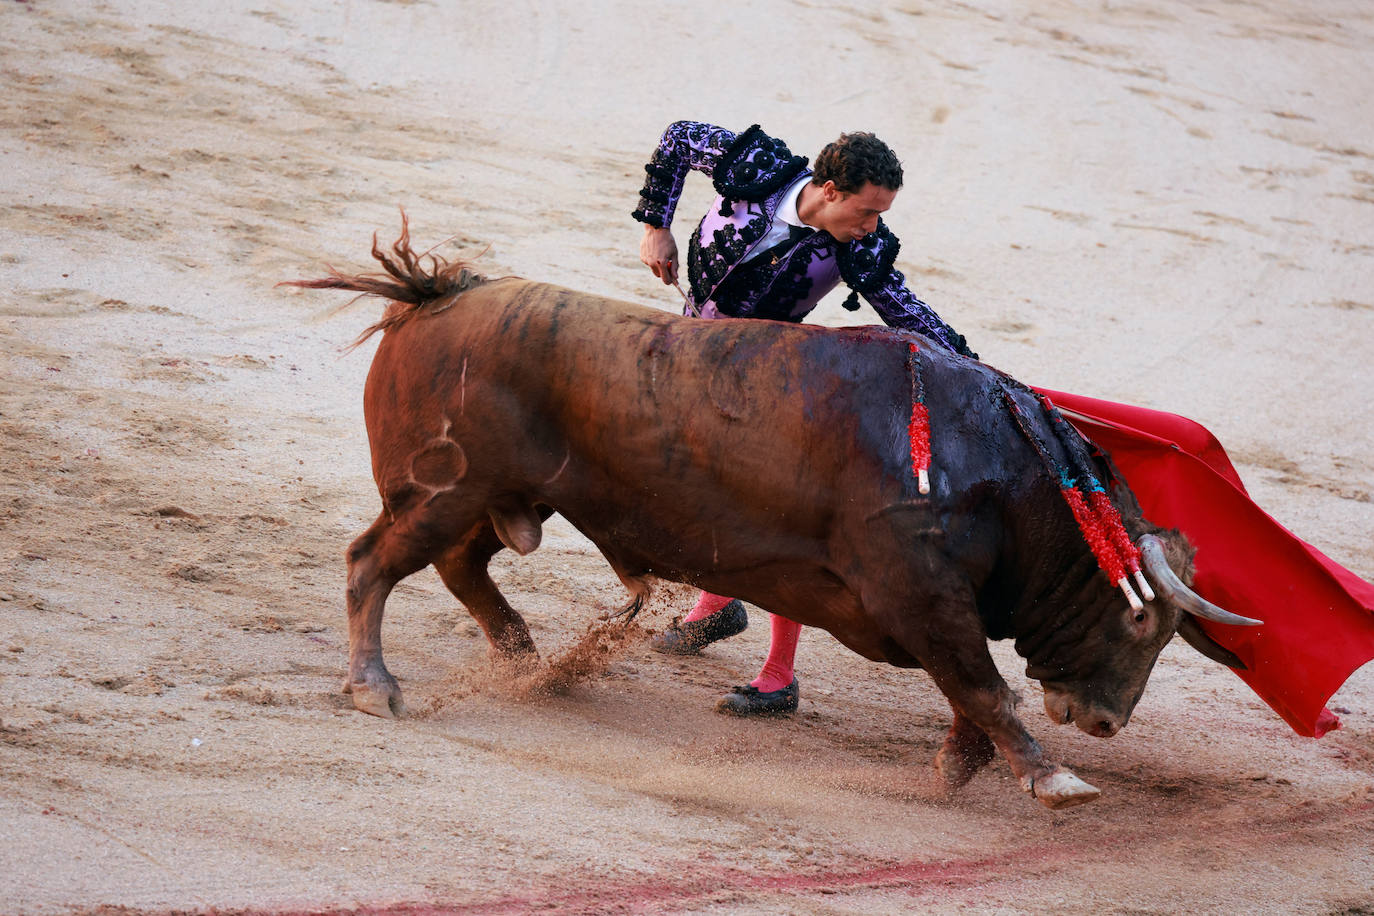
x: 1112, y: 662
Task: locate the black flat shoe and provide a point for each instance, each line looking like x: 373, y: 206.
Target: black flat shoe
x: 748, y: 701
x: 691, y: 638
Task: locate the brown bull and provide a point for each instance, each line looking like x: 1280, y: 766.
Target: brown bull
x: 753, y: 458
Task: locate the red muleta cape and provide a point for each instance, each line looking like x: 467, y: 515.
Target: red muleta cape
x: 1318, y: 616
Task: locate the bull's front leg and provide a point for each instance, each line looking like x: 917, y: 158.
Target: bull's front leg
x: 953, y: 649
x: 993, y: 712
x: 967, y: 749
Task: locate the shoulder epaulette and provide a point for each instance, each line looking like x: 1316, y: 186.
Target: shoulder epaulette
x: 755, y: 166
x: 866, y: 263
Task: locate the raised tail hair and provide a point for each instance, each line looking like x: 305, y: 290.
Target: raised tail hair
x: 417, y: 284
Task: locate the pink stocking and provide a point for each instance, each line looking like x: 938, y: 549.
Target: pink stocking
x: 782, y: 652
x: 707, y: 604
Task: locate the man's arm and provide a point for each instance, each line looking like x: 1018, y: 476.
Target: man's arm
x: 685, y: 145
x: 899, y: 308
x: 867, y: 266
x: 658, y: 250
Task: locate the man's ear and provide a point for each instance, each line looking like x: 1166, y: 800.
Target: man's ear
x: 830, y: 193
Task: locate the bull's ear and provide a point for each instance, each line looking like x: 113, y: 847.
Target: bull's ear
x: 1193, y: 634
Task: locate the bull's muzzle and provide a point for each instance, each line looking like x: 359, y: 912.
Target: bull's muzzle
x: 1061, y: 709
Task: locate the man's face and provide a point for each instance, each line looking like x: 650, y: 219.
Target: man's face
x: 854, y: 215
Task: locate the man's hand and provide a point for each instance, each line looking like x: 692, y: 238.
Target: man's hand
x: 658, y: 250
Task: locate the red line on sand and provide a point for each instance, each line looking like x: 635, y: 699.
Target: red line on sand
x: 696, y: 884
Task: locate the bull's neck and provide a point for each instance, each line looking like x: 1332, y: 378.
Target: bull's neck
x: 1058, y: 608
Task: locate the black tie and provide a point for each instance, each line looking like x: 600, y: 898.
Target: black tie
x: 779, y: 251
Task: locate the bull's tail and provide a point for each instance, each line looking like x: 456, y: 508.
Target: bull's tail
x: 414, y: 284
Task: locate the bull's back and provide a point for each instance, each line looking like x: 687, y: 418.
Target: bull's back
x: 620, y: 415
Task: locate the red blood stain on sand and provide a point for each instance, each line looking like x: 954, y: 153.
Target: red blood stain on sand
x: 694, y: 885
x: 700, y: 886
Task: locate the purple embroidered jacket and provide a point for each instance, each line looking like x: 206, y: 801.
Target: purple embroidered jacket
x: 751, y: 173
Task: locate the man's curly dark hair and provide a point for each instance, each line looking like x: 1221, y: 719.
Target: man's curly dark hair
x: 856, y: 159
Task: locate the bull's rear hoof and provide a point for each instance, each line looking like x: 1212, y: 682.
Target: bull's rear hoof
x: 386, y: 704
x: 1062, y: 789
x: 512, y: 652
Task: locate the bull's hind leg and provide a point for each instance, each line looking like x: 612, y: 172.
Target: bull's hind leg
x: 382, y: 556
x: 464, y: 570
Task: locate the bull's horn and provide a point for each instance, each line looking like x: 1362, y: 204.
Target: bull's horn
x: 1173, y: 590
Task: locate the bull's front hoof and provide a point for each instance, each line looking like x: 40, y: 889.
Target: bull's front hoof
x: 1061, y: 789
x: 385, y: 702
x: 956, y: 769
x: 965, y: 751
